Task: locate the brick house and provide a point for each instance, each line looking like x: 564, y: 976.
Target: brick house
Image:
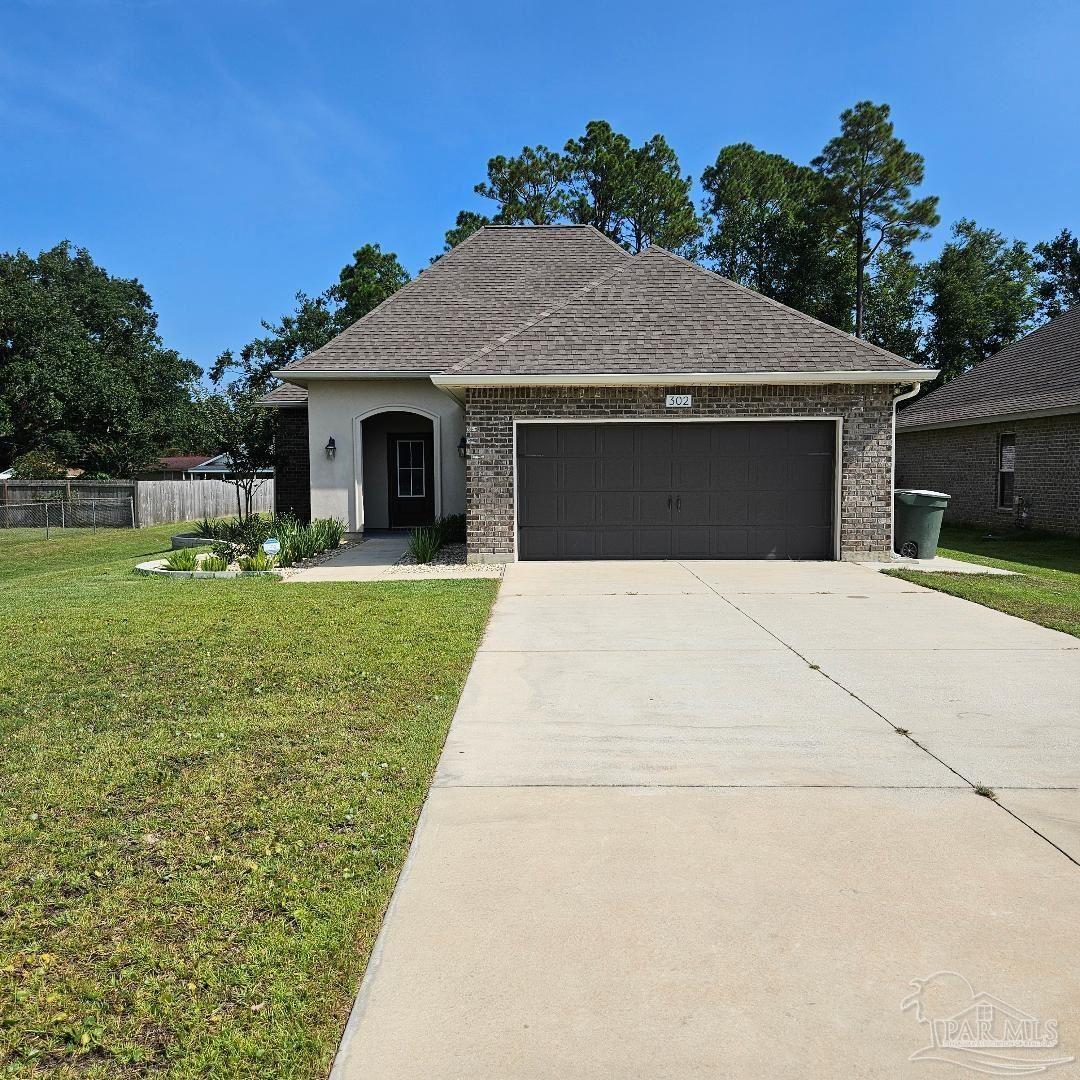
x: 1004, y: 439
x: 576, y: 401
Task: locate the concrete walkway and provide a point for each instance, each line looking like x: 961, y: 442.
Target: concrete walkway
x: 676, y: 832
x: 376, y: 559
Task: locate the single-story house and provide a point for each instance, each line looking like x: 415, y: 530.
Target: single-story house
x: 1004, y: 438
x: 220, y: 467
x: 174, y: 467
x: 579, y: 402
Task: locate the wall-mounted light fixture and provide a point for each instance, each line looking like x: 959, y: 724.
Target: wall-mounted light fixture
x: 331, y: 448
x: 461, y: 447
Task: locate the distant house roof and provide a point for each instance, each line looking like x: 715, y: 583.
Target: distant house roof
x: 1038, y: 374
x: 222, y: 463
x: 181, y: 462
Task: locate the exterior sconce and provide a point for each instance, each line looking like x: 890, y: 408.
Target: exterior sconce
x: 461, y: 447
x: 331, y: 448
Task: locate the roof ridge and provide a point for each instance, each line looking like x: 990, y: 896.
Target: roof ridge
x: 777, y: 304
x: 462, y: 365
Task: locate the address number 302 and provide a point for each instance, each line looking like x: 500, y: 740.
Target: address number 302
x: 679, y: 401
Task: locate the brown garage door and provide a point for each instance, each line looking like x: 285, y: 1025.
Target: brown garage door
x: 689, y: 490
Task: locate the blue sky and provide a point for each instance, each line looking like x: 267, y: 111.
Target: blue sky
x: 231, y: 153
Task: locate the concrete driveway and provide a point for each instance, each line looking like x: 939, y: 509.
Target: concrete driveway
x: 675, y: 832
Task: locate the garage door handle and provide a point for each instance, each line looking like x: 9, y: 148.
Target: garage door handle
x: 678, y: 504
x: 669, y: 502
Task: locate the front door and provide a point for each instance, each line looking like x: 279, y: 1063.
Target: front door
x: 411, y: 500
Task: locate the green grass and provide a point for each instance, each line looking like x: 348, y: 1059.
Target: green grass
x: 1047, y: 590
x: 207, y: 789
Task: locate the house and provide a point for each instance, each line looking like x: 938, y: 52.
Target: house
x: 220, y: 467
x: 1004, y: 439
x: 174, y: 467
x: 579, y: 402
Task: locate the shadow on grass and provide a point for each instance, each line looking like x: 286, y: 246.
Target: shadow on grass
x: 1024, y: 551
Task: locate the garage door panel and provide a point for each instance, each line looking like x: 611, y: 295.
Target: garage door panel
x: 538, y: 439
x: 576, y: 440
x: 616, y: 474
x: 729, y: 473
x: 539, y: 508
x: 725, y: 490
x: 655, y: 472
x: 729, y: 508
x: 579, y: 474
x: 652, y: 543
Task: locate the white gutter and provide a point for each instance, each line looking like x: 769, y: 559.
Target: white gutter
x: 301, y: 376
x: 915, y: 388
x: 694, y: 378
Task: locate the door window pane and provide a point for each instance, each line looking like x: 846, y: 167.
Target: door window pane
x: 410, y: 468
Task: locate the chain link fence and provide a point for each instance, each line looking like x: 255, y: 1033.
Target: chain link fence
x: 106, y: 512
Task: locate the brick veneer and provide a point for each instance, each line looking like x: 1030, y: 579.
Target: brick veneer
x: 963, y: 462
x: 866, y: 479
x: 292, y: 474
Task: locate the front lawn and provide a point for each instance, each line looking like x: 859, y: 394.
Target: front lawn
x: 207, y: 789
x: 1046, y: 592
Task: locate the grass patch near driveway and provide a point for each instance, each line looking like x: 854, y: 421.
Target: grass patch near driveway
x: 1046, y: 590
x: 207, y: 789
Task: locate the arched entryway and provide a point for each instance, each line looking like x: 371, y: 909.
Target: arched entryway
x: 397, y: 468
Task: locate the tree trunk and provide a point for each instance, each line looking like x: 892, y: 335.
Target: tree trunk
x: 859, y: 271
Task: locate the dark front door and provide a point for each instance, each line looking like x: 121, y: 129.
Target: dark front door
x: 411, y: 495
x: 690, y: 490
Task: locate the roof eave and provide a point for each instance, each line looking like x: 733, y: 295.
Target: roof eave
x: 693, y: 378
x: 302, y: 376
x: 992, y: 418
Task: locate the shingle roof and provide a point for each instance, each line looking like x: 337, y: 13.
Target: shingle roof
x: 489, y: 285
x: 1040, y: 371
x: 283, y: 396
x: 657, y: 312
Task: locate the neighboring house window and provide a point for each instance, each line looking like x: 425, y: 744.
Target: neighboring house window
x: 1006, y: 469
x: 410, y: 468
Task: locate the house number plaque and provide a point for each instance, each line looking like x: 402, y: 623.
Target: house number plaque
x: 679, y: 401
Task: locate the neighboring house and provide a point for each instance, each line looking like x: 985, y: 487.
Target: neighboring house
x: 576, y: 401
x: 174, y: 467
x: 1004, y: 439
x: 220, y: 467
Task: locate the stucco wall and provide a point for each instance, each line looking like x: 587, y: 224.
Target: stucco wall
x: 963, y: 462
x: 866, y: 468
x: 334, y: 405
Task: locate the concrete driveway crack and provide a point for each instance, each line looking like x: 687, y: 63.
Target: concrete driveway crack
x: 903, y: 732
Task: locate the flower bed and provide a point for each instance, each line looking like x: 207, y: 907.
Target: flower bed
x: 158, y: 568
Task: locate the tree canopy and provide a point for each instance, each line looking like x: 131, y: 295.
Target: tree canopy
x: 84, y: 374
x: 1058, y: 266
x: 982, y: 297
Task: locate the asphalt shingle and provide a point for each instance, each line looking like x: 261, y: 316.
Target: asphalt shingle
x: 1040, y: 371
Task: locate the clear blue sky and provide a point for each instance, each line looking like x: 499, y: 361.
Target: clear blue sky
x: 231, y: 153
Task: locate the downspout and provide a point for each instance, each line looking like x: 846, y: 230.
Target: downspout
x: 907, y: 395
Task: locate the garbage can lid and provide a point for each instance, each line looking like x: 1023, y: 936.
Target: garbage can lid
x: 920, y: 491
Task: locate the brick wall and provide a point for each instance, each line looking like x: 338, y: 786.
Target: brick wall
x: 866, y: 479
x: 963, y: 462
x: 292, y: 475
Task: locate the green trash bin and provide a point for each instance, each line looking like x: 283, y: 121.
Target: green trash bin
x: 917, y: 522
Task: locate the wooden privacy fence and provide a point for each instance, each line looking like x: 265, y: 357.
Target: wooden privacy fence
x: 161, y: 501
x: 120, y: 503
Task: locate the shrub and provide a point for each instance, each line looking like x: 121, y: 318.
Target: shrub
x: 249, y: 534
x: 305, y: 541
x: 215, y: 563
x: 259, y: 561
x: 212, y: 528
x: 182, y: 559
x: 424, y: 543
x: 452, y: 528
